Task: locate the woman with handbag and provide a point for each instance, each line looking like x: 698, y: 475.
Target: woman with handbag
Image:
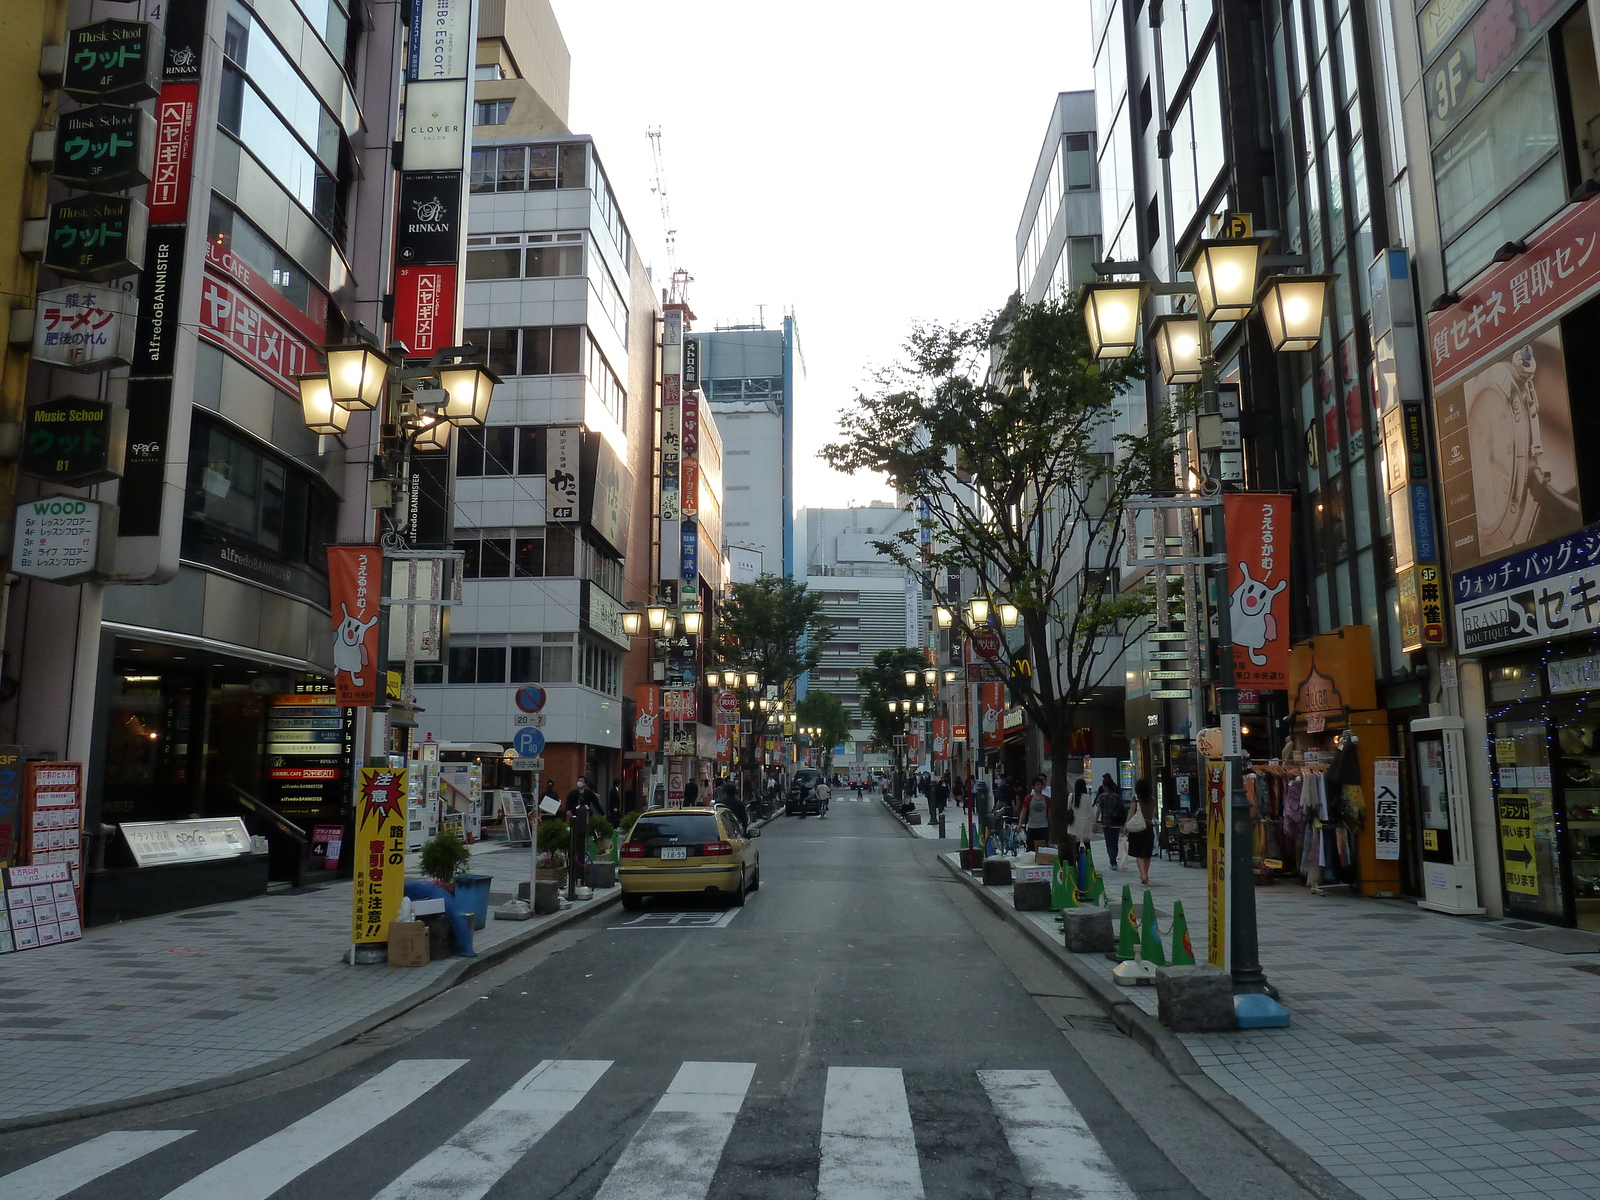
x: 1141, y: 829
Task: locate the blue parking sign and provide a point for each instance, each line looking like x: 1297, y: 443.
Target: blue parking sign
x: 529, y: 742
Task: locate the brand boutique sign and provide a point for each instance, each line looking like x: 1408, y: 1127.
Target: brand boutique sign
x: 428, y: 229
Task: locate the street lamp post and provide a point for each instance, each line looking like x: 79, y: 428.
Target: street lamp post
x: 1224, y: 271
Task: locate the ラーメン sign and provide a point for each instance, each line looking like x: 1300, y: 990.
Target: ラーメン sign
x: 84, y: 327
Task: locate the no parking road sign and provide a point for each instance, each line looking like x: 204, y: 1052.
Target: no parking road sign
x: 529, y: 742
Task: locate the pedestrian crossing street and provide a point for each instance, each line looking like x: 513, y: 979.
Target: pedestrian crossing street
x: 866, y: 1145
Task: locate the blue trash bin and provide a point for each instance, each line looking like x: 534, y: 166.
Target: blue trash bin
x: 472, y: 892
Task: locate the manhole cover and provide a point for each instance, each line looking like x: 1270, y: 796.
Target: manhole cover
x: 206, y: 914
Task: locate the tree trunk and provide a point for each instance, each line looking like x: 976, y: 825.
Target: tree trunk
x: 1063, y: 836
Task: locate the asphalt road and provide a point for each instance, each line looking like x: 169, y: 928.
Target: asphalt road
x: 862, y: 1028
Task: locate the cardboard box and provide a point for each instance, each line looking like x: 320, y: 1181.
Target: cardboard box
x: 1046, y: 855
x: 408, y: 944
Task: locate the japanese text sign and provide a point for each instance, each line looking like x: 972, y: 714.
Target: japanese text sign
x: 71, y: 441
x: 992, y: 736
x: 425, y: 308
x: 62, y: 539
x: 96, y: 237
x: 380, y: 853
x: 646, y: 717
x: 355, y: 587
x: 174, y: 160
x: 114, y: 60
x: 84, y: 327
x: 1258, y: 575
x: 1510, y: 299
x: 1386, y: 807
x: 104, y: 147
x: 247, y: 329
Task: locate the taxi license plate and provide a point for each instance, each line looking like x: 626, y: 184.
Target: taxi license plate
x: 674, y: 852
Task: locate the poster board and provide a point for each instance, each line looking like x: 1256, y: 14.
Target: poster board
x: 38, y: 907
x: 516, y: 817
x: 52, y: 817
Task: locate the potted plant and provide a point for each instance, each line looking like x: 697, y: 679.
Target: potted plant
x: 444, y: 859
x: 554, y: 838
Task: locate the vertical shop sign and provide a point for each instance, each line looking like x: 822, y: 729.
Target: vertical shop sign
x: 1217, y: 774
x: 1258, y: 574
x: 941, y: 738
x: 10, y: 802
x: 175, y: 131
x: 992, y: 736
x: 689, y: 485
x: 677, y: 775
x: 355, y: 587
x: 724, y: 743
x: 691, y: 557
x: 563, y: 445
x: 647, y: 717
x: 380, y: 858
x: 1386, y: 806
x: 425, y: 308
x: 1520, y: 864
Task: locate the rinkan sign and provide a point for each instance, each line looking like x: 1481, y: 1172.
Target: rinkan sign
x: 428, y: 230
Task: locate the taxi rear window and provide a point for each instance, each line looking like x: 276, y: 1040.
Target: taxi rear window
x: 693, y: 827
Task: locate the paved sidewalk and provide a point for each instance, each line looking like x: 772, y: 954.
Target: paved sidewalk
x: 1428, y: 1057
x: 177, y: 1000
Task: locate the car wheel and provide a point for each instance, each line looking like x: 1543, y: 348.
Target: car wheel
x: 632, y: 901
x: 736, y: 899
x: 755, y: 881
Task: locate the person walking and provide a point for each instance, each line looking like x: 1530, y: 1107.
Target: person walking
x: 1078, y: 820
x: 1036, y: 815
x: 1141, y: 827
x: 580, y: 802
x: 691, y: 793
x: 1111, y: 811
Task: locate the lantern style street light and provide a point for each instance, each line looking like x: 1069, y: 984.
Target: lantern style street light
x: 320, y: 413
x: 713, y: 679
x: 358, y: 375
x: 1225, y: 271
x: 943, y: 615
x: 1111, y: 314
x: 656, y: 614
x: 692, y: 620
x: 1176, y: 337
x: 911, y: 679
x: 751, y: 679
x: 632, y: 622
x: 978, y: 610
x: 930, y: 676
x: 1009, y: 615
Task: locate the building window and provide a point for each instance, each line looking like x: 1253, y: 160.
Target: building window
x: 549, y: 660
x: 548, y: 255
x: 489, y: 73
x: 530, y: 168
x: 743, y: 389
x: 251, y: 496
x: 477, y: 664
x: 548, y: 552
x: 491, y: 112
x: 599, y: 668
x: 1079, y: 150
x: 500, y: 450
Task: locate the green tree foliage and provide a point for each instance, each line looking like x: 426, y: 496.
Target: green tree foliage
x: 825, y: 711
x: 1026, y: 452
x: 883, y: 681
x: 774, y: 626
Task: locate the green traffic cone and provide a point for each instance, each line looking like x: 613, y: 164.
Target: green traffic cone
x: 1097, y: 886
x: 1128, y: 935
x: 1150, y: 934
x: 964, y: 843
x: 1182, y: 947
x: 1063, y: 887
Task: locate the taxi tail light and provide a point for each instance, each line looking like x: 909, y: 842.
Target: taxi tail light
x: 632, y: 850
x: 712, y: 849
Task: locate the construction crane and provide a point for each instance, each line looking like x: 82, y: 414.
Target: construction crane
x: 678, y: 289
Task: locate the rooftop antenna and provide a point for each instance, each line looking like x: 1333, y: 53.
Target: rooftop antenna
x: 678, y: 287
x: 761, y: 315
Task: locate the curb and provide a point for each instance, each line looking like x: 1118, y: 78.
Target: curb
x: 459, y: 972
x: 1165, y: 1048
x: 905, y: 824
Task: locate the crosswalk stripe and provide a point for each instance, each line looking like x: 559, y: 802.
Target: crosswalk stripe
x: 1058, y: 1153
x: 489, y: 1145
x: 84, y: 1163
x: 868, y: 1148
x: 675, y: 1153
x: 258, y: 1171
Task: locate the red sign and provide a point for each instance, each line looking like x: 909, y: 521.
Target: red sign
x: 251, y: 332
x: 677, y: 776
x: 1558, y: 270
x: 355, y: 586
x: 913, y: 745
x: 313, y: 325
x: 958, y: 732
x: 168, y: 196
x: 647, y: 717
x: 691, y: 423
x: 724, y: 743
x: 993, y: 702
x: 941, y: 738
x: 986, y: 643
x: 677, y: 704
x: 728, y: 704
x: 425, y: 308
x: 1258, y: 575
x: 689, y: 483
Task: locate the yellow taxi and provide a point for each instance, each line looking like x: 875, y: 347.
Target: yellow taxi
x: 689, y: 851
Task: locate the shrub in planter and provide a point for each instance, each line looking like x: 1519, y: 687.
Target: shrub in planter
x: 554, y: 836
x: 629, y: 820
x: 600, y: 828
x: 445, y: 856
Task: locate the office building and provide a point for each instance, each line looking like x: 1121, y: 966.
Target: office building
x: 553, y: 498
x: 752, y: 378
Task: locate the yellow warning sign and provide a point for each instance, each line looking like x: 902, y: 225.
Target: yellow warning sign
x: 1516, y: 844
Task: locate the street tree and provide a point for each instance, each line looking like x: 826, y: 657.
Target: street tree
x: 1020, y: 452
x: 775, y: 627
x: 882, y: 682
x: 825, y: 711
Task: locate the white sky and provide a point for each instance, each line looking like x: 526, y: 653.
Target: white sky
x: 862, y: 164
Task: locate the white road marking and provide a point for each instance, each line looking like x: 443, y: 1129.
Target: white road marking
x: 258, y: 1171
x: 681, y: 920
x: 675, y: 1153
x: 1058, y: 1153
x: 868, y: 1149
x: 493, y: 1142
x: 84, y: 1163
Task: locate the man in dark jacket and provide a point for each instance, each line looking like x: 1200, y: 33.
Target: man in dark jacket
x: 580, y: 802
